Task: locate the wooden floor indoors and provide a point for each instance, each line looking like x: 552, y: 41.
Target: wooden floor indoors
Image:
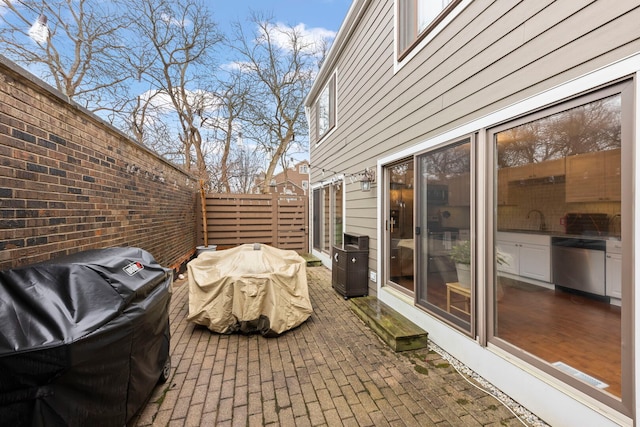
x: 560, y: 326
x: 553, y: 325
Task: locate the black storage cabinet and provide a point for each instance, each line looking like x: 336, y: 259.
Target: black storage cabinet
x: 350, y: 266
x: 84, y: 338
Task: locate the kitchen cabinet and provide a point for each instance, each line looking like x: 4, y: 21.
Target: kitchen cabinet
x: 459, y: 188
x: 613, y: 269
x: 612, y: 175
x: 538, y: 170
x: 593, y: 177
x: 526, y: 255
x: 503, y: 186
x: 401, y: 262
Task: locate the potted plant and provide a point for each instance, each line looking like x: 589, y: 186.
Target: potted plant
x: 461, y: 255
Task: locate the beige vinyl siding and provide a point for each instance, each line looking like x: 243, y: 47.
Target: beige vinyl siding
x: 360, y: 75
x: 357, y: 83
x: 537, y: 61
x: 362, y: 95
x: 361, y: 72
x: 491, y: 55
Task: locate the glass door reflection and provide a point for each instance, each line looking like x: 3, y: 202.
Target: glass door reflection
x: 400, y: 225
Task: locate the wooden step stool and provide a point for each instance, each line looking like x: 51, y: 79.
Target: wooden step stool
x: 394, y: 329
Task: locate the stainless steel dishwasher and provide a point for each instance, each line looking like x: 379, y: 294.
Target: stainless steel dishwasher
x: 579, y: 264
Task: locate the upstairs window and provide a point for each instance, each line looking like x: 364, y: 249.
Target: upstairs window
x: 304, y: 169
x: 326, y: 108
x: 416, y: 18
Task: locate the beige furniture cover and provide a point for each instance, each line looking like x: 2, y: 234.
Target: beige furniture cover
x: 249, y: 288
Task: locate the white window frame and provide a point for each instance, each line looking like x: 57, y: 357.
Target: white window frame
x: 430, y: 28
x: 326, y: 100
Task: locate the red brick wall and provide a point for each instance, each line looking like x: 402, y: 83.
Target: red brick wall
x: 70, y: 182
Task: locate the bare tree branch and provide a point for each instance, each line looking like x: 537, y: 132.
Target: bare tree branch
x: 175, y: 56
x: 279, y: 62
x: 82, y: 55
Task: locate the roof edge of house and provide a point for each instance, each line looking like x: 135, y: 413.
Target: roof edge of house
x: 355, y: 13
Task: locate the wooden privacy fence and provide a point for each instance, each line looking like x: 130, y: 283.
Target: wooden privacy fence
x: 277, y: 220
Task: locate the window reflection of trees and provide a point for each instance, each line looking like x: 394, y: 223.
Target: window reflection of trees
x: 402, y: 175
x: 441, y: 165
x: 588, y: 128
x: 323, y: 113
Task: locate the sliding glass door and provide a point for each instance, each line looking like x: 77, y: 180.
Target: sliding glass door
x: 445, y: 284
x: 399, y: 225
x: 560, y: 229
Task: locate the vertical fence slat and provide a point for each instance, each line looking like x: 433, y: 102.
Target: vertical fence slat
x: 273, y: 219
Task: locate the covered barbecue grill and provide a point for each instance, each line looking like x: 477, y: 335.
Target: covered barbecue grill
x: 84, y: 338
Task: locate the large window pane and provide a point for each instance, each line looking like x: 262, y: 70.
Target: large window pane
x: 337, y: 215
x: 326, y: 108
x: 323, y: 112
x: 445, y: 283
x: 326, y: 218
x: 400, y: 225
x: 317, y: 218
x: 558, y: 288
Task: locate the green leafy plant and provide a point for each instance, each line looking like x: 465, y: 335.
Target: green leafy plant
x: 461, y: 252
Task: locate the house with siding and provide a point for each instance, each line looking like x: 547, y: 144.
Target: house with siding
x: 292, y: 180
x: 497, y: 135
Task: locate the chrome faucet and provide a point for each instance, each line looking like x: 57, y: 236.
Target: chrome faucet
x: 543, y: 225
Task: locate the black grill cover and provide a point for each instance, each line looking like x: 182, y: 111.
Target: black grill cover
x: 83, y: 338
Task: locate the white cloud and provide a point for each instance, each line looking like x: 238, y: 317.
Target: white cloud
x: 161, y: 103
x: 4, y: 8
x: 311, y: 38
x: 170, y: 20
x: 235, y: 66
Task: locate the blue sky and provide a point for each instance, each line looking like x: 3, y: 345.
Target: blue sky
x: 316, y: 18
x: 327, y: 14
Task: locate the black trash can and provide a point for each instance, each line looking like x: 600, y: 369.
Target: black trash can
x: 84, y: 338
x: 350, y: 266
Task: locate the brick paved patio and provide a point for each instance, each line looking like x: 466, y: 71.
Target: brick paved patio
x: 332, y: 370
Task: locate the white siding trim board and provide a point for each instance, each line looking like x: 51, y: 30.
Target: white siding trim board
x: 636, y: 238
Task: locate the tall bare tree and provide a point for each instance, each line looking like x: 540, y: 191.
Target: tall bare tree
x: 78, y: 48
x: 280, y: 61
x: 178, y: 38
x: 232, y: 97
